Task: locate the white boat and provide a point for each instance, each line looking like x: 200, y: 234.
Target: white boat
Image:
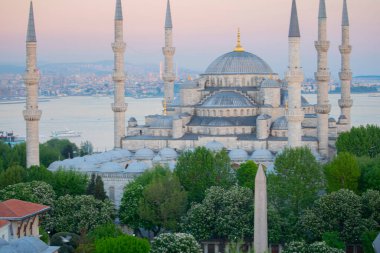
x: 67, y: 133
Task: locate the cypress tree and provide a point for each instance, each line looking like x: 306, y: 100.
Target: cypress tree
x: 99, y: 192
x: 91, y: 186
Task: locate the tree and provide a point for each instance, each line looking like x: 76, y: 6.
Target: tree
x: 223, y: 214
x: 91, y: 185
x: 200, y: 169
x: 48, y: 155
x: 360, y: 141
x: 80, y: 213
x: 175, y: 243
x: 39, y: 173
x: 99, y: 192
x: 370, y: 173
x: 371, y: 209
x: 35, y: 191
x: 162, y: 204
x: 86, y: 148
x: 343, y: 172
x: 68, y: 246
x: 122, y: 244
x: 69, y: 182
x: 317, y: 247
x: 339, y: 211
x: 246, y: 174
x: 105, y: 231
x: 66, y: 148
x: 13, y: 175
x: 294, y: 185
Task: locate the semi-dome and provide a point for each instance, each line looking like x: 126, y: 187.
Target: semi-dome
x: 227, y: 99
x: 238, y: 155
x: 168, y: 154
x: 280, y: 124
x: 262, y: 155
x: 214, y: 146
x: 144, y: 154
x: 238, y: 63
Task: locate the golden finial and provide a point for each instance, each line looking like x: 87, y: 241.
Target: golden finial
x: 165, y: 107
x: 238, y: 47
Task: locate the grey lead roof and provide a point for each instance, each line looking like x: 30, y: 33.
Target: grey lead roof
x: 31, y: 35
x: 119, y: 11
x: 222, y: 121
x: 345, y: 20
x: 168, y: 20
x: 322, y: 9
x: 227, y: 99
x: 294, y: 29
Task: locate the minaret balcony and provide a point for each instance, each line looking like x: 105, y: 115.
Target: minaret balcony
x: 322, y: 76
x: 168, y: 77
x: 322, y: 109
x: 345, y: 75
x: 119, y: 107
x: 119, y: 47
x: 168, y: 51
x: 32, y: 114
x: 346, y: 49
x: 345, y: 103
x: 322, y: 46
x: 118, y: 77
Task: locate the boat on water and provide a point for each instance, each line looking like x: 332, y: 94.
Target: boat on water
x: 67, y: 133
x: 11, y: 139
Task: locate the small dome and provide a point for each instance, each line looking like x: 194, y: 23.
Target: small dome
x: 262, y: 155
x: 168, y: 154
x: 214, y: 146
x: 111, y: 167
x: 132, y: 122
x: 227, y: 99
x: 157, y: 159
x: 137, y: 167
x: 144, y: 154
x: 238, y: 155
x: 238, y: 63
x: 280, y: 124
x: 132, y: 119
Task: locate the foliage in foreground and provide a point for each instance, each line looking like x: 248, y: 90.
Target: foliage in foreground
x: 246, y: 174
x: 122, y: 244
x: 317, y: 247
x: 223, y: 214
x: 175, y: 243
x: 80, y: 213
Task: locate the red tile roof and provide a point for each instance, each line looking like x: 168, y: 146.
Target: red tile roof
x: 14, y: 209
x: 3, y: 223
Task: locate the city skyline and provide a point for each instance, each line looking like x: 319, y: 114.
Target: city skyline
x: 69, y: 32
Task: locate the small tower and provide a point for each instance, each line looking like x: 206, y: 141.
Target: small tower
x: 32, y: 114
x: 323, y: 77
x: 119, y: 107
x: 260, y: 239
x: 294, y: 77
x: 345, y: 103
x: 168, y: 51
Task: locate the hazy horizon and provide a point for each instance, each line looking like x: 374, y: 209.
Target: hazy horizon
x: 71, y: 32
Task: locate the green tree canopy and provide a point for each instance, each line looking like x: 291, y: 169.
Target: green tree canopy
x: 343, y: 172
x: 360, y: 141
x: 80, y: 213
x: 66, y: 148
x: 39, y: 173
x: 99, y: 192
x: 223, y: 214
x: 13, y: 175
x: 35, y: 191
x: 370, y: 173
x: 69, y: 182
x: 317, y: 247
x: 104, y: 231
x: 246, y: 174
x: 122, y: 244
x: 91, y: 185
x: 200, y: 169
x: 175, y: 243
x: 59, y: 239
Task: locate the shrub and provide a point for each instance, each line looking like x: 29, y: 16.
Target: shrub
x: 175, y: 243
x: 122, y: 244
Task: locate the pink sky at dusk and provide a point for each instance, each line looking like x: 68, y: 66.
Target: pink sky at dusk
x: 82, y: 31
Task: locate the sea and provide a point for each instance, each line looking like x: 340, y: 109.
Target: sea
x: 93, y: 117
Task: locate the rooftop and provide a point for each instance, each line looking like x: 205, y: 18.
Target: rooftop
x: 14, y: 209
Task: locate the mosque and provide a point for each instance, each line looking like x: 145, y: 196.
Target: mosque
x: 239, y: 104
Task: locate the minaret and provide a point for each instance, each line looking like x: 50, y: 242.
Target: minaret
x: 119, y: 107
x: 294, y: 77
x: 32, y: 114
x: 323, y: 77
x: 168, y: 51
x: 260, y: 239
x: 345, y: 103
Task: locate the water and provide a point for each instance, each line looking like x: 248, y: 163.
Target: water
x: 93, y: 117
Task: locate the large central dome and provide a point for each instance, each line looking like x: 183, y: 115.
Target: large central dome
x: 238, y: 63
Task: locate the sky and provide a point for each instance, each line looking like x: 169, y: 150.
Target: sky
x: 82, y: 31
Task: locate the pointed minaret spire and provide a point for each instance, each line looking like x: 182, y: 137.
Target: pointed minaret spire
x: 119, y: 11
x: 168, y: 20
x: 294, y: 29
x: 31, y: 34
x: 294, y: 77
x: 345, y: 20
x: 322, y: 9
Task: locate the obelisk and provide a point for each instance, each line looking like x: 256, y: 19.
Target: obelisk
x: 260, y: 239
